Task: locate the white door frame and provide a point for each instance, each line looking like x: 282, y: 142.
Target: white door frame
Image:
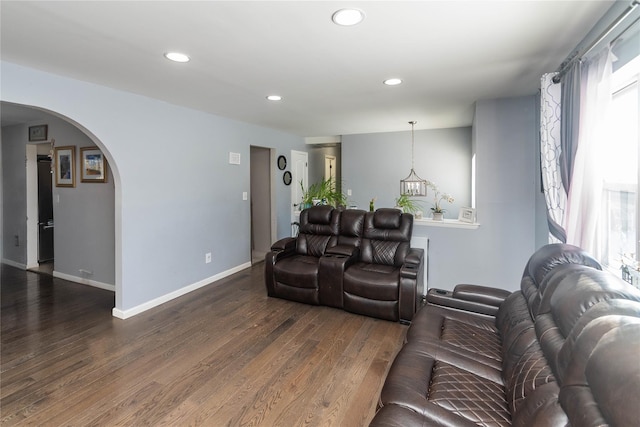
x: 299, y: 172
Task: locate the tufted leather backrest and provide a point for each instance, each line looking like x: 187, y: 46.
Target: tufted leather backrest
x: 387, y: 237
x: 318, y: 230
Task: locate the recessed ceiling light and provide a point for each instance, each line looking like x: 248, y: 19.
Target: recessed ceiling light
x: 348, y: 17
x: 274, y: 98
x: 177, y: 57
x: 392, y: 82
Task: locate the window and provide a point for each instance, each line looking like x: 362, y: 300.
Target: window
x: 619, y: 231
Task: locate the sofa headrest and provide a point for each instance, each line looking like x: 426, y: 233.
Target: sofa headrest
x: 387, y: 218
x: 582, y: 288
x: 319, y: 214
x: 550, y: 256
x: 389, y: 225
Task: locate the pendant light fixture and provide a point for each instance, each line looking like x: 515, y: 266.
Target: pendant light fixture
x: 413, y: 185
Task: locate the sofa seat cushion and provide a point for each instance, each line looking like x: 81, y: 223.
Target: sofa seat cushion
x: 429, y: 380
x: 299, y: 271
x: 468, y: 395
x: 372, y: 281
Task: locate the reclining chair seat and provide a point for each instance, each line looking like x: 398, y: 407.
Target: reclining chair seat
x: 300, y: 271
x: 373, y: 281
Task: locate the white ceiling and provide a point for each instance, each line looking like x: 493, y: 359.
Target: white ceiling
x: 449, y: 54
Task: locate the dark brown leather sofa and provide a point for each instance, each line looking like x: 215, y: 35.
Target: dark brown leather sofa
x: 564, y: 350
x: 359, y: 261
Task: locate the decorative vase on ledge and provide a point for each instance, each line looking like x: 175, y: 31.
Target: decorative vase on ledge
x: 437, y: 216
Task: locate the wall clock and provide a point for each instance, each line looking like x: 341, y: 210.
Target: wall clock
x: 286, y: 178
x: 282, y: 162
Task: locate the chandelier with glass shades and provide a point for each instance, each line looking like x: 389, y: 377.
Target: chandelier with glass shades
x: 413, y: 185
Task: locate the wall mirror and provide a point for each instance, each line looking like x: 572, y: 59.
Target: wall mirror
x: 286, y: 178
x: 282, y: 162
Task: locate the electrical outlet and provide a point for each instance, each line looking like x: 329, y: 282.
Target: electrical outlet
x: 349, y: 192
x: 17, y: 240
x: 207, y: 258
x: 245, y: 195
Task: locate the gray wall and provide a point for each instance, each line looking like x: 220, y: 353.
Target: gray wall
x: 176, y: 195
x: 373, y: 165
x: 14, y: 196
x: 507, y: 187
x: 84, y: 216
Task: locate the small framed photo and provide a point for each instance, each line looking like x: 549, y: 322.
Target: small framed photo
x: 467, y: 215
x: 93, y: 165
x: 65, y: 166
x: 38, y: 133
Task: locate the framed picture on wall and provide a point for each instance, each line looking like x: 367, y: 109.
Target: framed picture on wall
x: 467, y: 215
x: 65, y: 166
x: 93, y: 165
x: 38, y: 133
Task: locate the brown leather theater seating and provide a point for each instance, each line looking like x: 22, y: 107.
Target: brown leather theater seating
x: 564, y: 350
x: 359, y: 261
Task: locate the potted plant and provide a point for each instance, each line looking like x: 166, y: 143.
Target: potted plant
x: 407, y: 204
x: 437, y: 212
x: 323, y: 192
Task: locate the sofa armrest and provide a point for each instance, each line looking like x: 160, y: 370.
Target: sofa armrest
x: 411, y: 285
x: 287, y: 244
x: 480, y: 294
x: 331, y: 270
x: 344, y: 250
x: 415, y: 256
x: 444, y: 298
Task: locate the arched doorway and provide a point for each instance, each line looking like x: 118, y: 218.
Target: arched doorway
x: 84, y: 214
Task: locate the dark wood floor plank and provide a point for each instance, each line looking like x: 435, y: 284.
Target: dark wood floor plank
x: 225, y: 354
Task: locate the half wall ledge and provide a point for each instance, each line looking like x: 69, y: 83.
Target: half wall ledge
x: 447, y: 223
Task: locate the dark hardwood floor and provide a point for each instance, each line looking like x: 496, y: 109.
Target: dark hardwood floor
x: 225, y: 354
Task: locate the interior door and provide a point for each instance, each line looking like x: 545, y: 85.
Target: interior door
x: 299, y: 174
x: 260, y: 186
x: 330, y: 168
x: 45, y: 210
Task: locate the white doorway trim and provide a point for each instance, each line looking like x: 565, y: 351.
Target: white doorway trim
x: 299, y: 172
x: 32, y: 205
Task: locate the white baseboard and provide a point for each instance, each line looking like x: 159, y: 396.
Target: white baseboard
x: 14, y: 264
x: 84, y: 281
x: 125, y: 314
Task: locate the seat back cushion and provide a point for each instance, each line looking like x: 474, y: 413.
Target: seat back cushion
x: 573, y: 298
x: 387, y: 237
x: 351, y: 227
x: 318, y: 230
x: 603, y: 387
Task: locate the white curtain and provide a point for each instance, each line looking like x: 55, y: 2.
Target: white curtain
x: 550, y: 150
x: 585, y: 192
